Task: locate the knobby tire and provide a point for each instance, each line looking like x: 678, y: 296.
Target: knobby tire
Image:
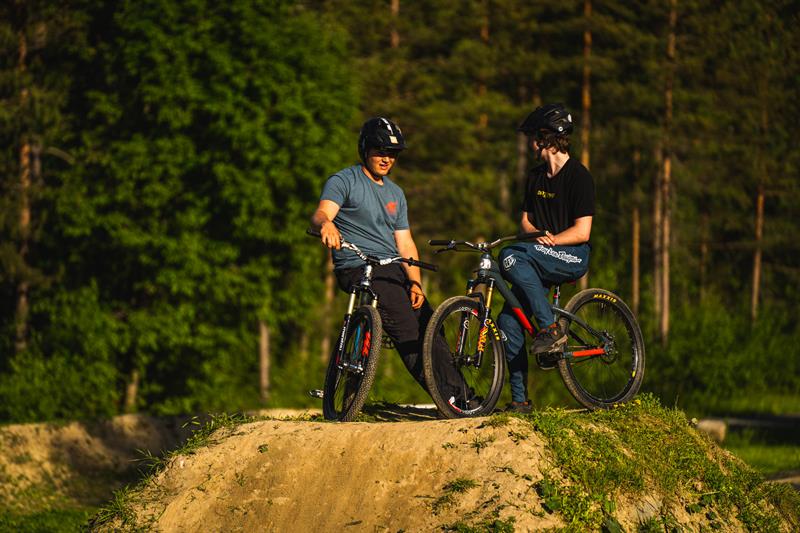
x: 600, y: 382
x: 346, y: 390
x: 486, y: 382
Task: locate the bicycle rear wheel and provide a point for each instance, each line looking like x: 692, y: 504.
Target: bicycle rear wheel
x: 603, y: 364
x: 351, y: 372
x: 458, y: 320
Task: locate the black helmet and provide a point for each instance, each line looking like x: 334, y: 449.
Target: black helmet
x: 380, y: 133
x: 552, y: 117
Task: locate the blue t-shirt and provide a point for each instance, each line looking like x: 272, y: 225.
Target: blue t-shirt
x: 368, y: 216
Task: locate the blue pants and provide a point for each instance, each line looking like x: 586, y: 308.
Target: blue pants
x: 532, y: 269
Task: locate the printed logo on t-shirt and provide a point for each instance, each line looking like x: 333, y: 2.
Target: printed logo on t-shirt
x: 544, y: 194
x: 391, y: 208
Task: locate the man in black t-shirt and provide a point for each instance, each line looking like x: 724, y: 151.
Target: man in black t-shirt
x: 559, y: 199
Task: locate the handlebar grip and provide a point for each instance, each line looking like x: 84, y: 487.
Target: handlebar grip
x: 422, y: 264
x: 313, y: 233
x: 531, y: 235
x: 439, y: 242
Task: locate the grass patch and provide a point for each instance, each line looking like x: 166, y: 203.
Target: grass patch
x: 644, y: 447
x: 53, y: 520
x: 764, y: 452
x: 457, y: 486
x: 497, y: 420
x: 485, y: 526
x: 120, y: 506
x: 480, y: 443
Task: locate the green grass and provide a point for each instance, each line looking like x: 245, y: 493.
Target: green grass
x: 447, y: 499
x: 54, y: 520
x: 769, y: 452
x: 768, y: 459
x: 644, y: 447
x: 749, y: 403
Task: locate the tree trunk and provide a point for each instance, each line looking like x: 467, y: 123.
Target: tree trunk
x: 667, y: 175
x: 586, y: 100
x: 758, y: 251
x: 522, y: 156
x: 23, y: 285
x: 657, y: 232
x: 395, y: 35
x: 327, y: 310
x: 762, y: 180
x: 665, y: 249
x: 263, y: 361
x: 636, y: 234
x: 704, y: 252
x: 302, y: 347
x: 132, y: 391
x: 523, y: 150
x: 483, y: 120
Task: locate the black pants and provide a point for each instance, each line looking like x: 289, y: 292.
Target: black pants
x: 406, y: 325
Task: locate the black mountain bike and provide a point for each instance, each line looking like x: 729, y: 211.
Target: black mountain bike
x: 601, y: 365
x: 351, y: 369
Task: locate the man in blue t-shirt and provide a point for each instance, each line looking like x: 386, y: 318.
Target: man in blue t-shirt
x: 365, y: 207
x: 559, y: 199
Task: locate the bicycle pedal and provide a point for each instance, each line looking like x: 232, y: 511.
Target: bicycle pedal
x: 549, y: 360
x: 316, y: 393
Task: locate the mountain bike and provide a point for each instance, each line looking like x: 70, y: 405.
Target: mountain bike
x: 351, y: 369
x: 602, y: 363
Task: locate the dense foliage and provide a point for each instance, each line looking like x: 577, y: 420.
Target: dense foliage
x: 176, y: 150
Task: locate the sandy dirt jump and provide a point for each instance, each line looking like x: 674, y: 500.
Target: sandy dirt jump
x: 314, y: 476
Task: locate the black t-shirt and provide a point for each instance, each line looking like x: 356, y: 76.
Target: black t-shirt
x: 555, y: 203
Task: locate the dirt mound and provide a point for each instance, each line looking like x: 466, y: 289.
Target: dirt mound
x: 80, y: 464
x: 628, y: 469
x: 315, y: 476
x: 79, y: 461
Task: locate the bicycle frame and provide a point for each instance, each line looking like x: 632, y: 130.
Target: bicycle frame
x: 489, y: 274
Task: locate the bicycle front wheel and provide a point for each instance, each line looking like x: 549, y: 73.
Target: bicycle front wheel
x: 603, y: 361
x: 351, y: 369
x: 461, y: 382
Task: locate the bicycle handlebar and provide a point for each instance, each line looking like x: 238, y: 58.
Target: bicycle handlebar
x: 372, y: 260
x: 481, y: 246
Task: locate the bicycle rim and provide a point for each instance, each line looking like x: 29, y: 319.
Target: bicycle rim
x: 350, y: 375
x: 458, y: 321
x: 615, y: 375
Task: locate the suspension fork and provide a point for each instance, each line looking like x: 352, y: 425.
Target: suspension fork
x: 351, y: 304
x: 485, y: 318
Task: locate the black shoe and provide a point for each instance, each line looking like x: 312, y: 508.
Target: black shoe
x: 549, y: 339
x: 519, y: 407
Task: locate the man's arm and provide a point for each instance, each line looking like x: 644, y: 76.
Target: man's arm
x: 525, y: 224
x: 576, y: 234
x: 407, y: 248
x: 322, y: 221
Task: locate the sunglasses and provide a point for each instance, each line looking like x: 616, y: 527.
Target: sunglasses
x: 386, y: 153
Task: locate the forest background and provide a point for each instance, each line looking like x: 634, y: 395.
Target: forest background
x: 160, y: 161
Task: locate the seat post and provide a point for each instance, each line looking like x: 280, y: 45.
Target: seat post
x: 556, y: 294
